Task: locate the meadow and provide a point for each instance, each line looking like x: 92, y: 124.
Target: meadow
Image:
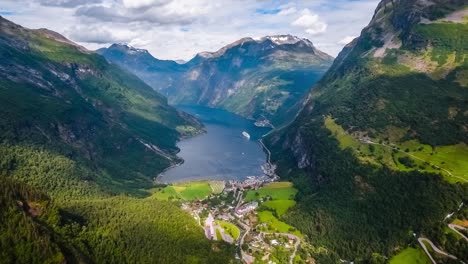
x: 184, y: 191
x: 274, y: 225
x: 407, y: 155
x: 410, y: 255
x: 279, y: 206
x: 275, y: 190
x: 229, y: 228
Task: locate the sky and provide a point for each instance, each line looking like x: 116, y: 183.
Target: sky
x: 179, y: 29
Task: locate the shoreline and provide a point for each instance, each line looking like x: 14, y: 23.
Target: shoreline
x: 268, y: 152
x: 157, y: 179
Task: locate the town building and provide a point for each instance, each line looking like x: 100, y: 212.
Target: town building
x: 210, y: 231
x: 245, y: 209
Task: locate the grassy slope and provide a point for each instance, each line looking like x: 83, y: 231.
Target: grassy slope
x: 229, y: 228
x: 280, y: 206
x: 275, y: 190
x: 282, y: 199
x: 410, y: 255
x: 441, y: 159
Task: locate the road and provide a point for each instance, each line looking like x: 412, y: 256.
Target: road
x: 239, y: 198
x: 296, y: 245
x: 436, y: 249
x: 455, y: 227
x: 241, y: 242
x: 413, y: 156
x: 267, y: 150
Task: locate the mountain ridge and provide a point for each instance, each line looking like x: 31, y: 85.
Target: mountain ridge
x: 286, y: 68
x: 384, y: 126
x: 88, y: 99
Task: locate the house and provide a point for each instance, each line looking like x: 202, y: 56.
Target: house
x: 246, y: 208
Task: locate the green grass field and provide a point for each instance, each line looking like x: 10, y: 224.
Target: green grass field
x: 276, y: 190
x: 460, y: 222
x: 411, y: 255
x: 229, y: 228
x: 219, y: 237
x: 275, y: 225
x: 217, y: 186
x: 280, y: 206
x: 184, y: 191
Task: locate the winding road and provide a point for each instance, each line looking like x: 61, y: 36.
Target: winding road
x: 413, y: 156
x: 244, y: 255
x: 455, y: 227
x: 421, y: 241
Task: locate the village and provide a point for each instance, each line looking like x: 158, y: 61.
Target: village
x: 231, y: 216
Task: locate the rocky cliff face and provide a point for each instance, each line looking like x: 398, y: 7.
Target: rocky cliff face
x: 264, y: 78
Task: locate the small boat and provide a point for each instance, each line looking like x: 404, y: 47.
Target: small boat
x: 246, y: 135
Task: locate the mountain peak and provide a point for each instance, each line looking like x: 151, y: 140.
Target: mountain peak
x: 276, y: 40
x: 127, y: 48
x: 284, y: 39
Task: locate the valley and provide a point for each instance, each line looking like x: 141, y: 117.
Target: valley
x: 263, y: 79
x: 264, y: 151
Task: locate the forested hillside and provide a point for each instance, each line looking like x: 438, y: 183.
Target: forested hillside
x: 81, y: 141
x: 379, y: 151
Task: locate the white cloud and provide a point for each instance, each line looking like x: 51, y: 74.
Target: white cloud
x: 310, y: 22
x: 346, y: 40
x: 141, y: 3
x: 100, y: 35
x: 178, y: 29
x: 287, y: 9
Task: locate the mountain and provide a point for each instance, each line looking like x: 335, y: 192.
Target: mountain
x: 159, y: 74
x: 380, y: 148
x: 81, y: 141
x: 59, y: 94
x: 266, y: 78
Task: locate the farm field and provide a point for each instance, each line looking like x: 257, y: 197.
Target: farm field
x: 410, y: 255
x: 275, y: 190
x: 217, y: 186
x: 273, y: 225
x: 280, y: 206
x: 184, y: 191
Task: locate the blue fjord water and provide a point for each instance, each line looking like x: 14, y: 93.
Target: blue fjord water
x: 222, y: 153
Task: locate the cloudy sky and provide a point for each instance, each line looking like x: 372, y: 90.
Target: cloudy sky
x: 178, y: 29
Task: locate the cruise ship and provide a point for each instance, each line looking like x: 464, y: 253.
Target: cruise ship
x: 246, y: 135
